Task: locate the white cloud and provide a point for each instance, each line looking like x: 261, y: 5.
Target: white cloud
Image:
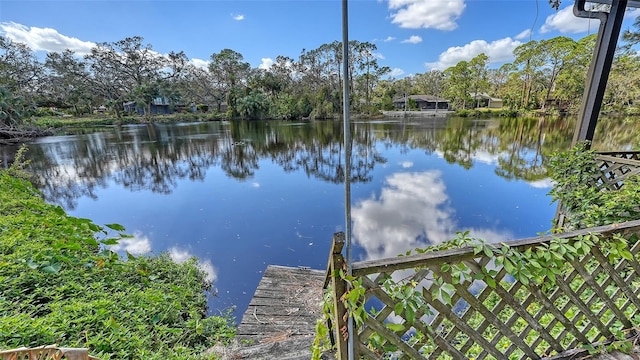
x: 427, y: 14
x: 565, y: 22
x: 406, y: 164
x: 389, y: 38
x: 413, y: 39
x: 378, y: 56
x: 180, y: 255
x: 238, y: 17
x: 523, y: 35
x: 395, y: 72
x: 199, y: 63
x: 139, y: 244
x: 44, y: 39
x: 266, y: 63
x: 498, y: 51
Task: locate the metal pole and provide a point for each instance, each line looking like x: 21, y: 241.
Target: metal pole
x: 347, y: 156
x: 600, y: 67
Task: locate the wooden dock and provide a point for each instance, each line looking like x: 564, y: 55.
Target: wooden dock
x: 281, y: 318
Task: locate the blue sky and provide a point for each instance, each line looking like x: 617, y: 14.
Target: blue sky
x: 412, y: 36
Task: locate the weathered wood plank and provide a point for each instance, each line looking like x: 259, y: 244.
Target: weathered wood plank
x: 280, y: 320
x: 287, y: 349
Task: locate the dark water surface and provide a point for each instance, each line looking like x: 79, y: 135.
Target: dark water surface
x: 242, y: 195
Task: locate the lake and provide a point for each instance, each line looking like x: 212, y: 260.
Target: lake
x: 242, y: 195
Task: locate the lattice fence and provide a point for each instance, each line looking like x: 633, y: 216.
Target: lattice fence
x: 496, y: 317
x: 616, y: 167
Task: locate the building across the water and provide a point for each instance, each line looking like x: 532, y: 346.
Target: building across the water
x: 484, y: 100
x: 420, y: 102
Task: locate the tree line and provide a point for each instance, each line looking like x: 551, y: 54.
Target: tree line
x: 546, y: 74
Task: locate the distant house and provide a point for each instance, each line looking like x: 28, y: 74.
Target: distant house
x: 159, y: 106
x: 213, y: 105
x: 422, y: 102
x: 562, y: 106
x: 483, y: 100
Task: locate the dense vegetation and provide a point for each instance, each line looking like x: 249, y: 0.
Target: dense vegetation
x: 547, y: 74
x: 585, y: 202
x: 59, y: 285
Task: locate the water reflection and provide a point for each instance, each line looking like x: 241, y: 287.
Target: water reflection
x: 412, y: 211
x: 157, y: 157
x: 243, y: 195
x: 180, y: 255
x: 137, y: 244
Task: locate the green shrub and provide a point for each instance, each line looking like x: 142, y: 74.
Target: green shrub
x: 58, y: 284
x: 584, y: 202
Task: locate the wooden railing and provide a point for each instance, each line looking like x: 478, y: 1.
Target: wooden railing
x: 496, y: 317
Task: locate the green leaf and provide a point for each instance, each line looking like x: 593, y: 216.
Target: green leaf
x: 626, y: 254
x: 446, y: 298
x: 398, y: 308
x: 32, y: 264
x: 110, y: 241
x: 52, y: 269
x: 90, y: 241
x: 488, y: 252
x: 410, y: 315
x: 394, y: 327
x: 116, y: 227
x: 508, y: 266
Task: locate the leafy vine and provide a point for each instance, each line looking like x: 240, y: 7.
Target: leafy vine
x: 541, y: 264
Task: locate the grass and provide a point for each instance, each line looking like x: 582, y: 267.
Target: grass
x: 59, y: 285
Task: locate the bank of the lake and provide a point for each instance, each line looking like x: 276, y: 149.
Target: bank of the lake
x: 95, y: 121
x: 58, y: 285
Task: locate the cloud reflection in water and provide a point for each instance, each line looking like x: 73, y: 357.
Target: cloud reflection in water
x: 139, y: 244
x: 180, y: 255
x: 412, y: 211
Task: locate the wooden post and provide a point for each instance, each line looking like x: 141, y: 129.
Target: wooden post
x: 336, y: 264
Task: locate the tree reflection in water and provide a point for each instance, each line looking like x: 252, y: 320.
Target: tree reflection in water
x: 155, y: 156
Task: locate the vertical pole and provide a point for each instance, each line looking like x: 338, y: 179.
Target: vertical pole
x: 600, y: 67
x: 336, y: 264
x: 347, y: 155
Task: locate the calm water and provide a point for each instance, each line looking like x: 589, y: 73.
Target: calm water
x: 242, y: 195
